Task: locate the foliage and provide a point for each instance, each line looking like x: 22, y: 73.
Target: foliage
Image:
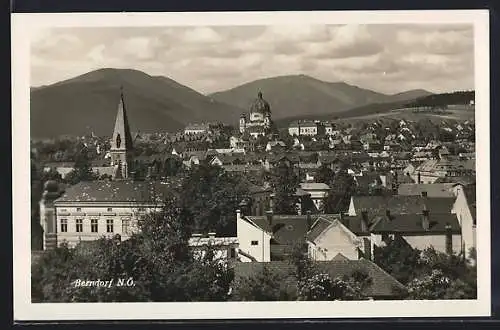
x: 212, y: 195
x: 157, y: 258
x: 82, y: 170
x: 322, y: 287
x: 398, y: 258
x: 285, y: 182
x: 325, y: 175
x: 340, y: 193
x: 428, y: 274
x: 267, y: 285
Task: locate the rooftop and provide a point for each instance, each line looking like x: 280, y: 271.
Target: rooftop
x: 383, y: 284
x: 116, y: 191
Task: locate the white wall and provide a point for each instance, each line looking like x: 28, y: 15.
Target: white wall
x: 332, y: 242
x: 463, y: 212
x: 247, y: 233
x: 118, y: 214
x: 422, y: 242
x: 293, y: 131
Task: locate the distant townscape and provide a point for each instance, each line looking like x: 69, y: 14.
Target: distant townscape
x: 375, y: 205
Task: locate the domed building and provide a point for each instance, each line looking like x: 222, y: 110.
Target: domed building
x: 259, y: 120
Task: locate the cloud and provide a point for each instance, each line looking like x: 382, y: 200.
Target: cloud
x: 387, y: 58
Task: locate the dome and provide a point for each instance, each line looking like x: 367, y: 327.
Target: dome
x: 260, y: 105
x: 51, y: 186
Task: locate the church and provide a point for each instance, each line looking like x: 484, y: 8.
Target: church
x: 90, y: 210
x: 259, y: 122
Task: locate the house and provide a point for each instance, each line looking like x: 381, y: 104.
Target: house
x: 422, y: 221
x: 99, y: 167
x: 89, y: 210
x: 383, y: 286
x: 223, y: 248
x: 429, y: 190
x: 317, y: 191
x: 194, y: 129
x: 271, y: 237
x: 278, y: 146
x: 328, y: 237
x: 294, y: 129
x: 441, y: 231
x: 431, y: 170
x: 311, y: 128
x: 396, y: 204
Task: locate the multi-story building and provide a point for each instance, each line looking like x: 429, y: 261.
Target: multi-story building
x: 259, y: 121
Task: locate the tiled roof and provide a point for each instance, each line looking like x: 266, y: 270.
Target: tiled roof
x: 314, y: 186
x: 383, y: 284
x: 397, y: 204
x: 319, y: 225
x: 285, y: 229
x: 433, y: 190
x: 288, y: 229
x: 116, y: 191
x: 354, y: 224
x: 412, y: 224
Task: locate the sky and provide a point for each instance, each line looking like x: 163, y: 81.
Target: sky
x: 385, y: 58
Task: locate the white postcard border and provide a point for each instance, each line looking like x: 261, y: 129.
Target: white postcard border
x: 23, y: 25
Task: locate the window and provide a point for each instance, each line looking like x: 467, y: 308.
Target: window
x: 109, y: 225
x: 78, y: 209
x: 233, y: 253
x: 255, y: 243
x: 79, y: 225
x: 125, y: 225
x: 93, y: 225
x: 64, y: 225
x: 110, y: 209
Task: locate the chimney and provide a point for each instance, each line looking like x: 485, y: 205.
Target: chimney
x: 269, y: 216
x: 425, y: 219
x: 238, y: 214
x: 211, y: 234
x: 364, y: 221
x: 449, y: 239
x: 196, y: 235
x: 308, y: 219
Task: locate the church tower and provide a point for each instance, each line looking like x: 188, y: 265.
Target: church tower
x: 121, y: 142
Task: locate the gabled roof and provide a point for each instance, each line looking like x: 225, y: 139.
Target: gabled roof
x: 314, y: 186
x: 412, y: 224
x: 397, y: 204
x: 116, y: 191
x: 287, y: 229
x: 324, y: 225
x: 383, y: 284
x: 433, y: 189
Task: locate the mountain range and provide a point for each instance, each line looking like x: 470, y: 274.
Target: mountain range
x: 298, y: 95
x: 154, y: 103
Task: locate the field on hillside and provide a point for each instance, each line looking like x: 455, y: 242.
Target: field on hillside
x: 409, y: 114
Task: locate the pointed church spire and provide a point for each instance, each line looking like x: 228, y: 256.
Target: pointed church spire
x: 122, y: 138
x: 121, y: 142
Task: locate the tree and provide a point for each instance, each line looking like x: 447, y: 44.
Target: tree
x: 340, y: 193
x: 285, y: 182
x: 82, y: 170
x: 325, y: 175
x: 398, y: 258
x: 157, y: 259
x: 322, y: 287
x: 267, y: 285
x: 212, y: 195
